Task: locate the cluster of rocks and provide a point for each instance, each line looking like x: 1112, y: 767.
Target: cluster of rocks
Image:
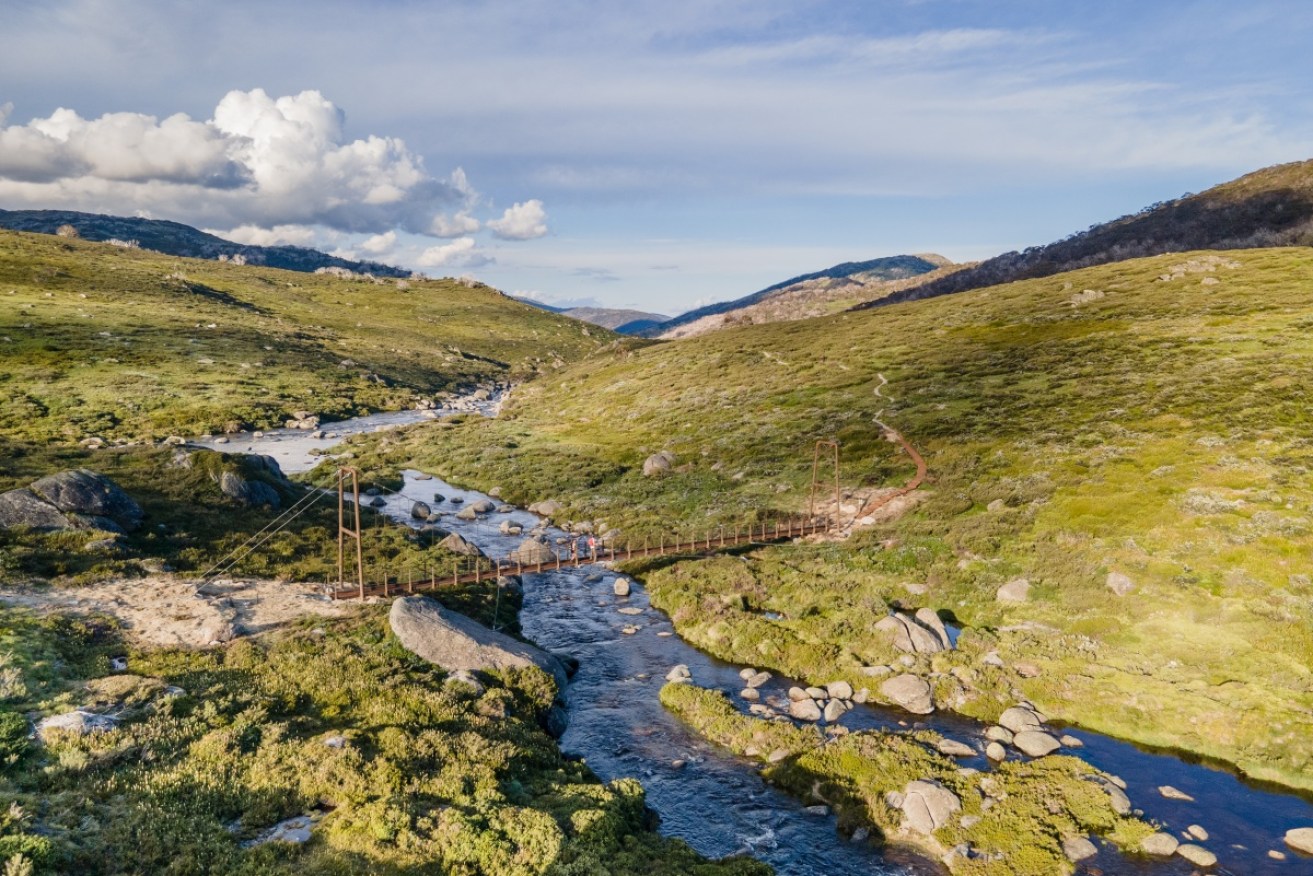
x: 74, y: 499
x: 831, y: 702
x: 1022, y: 727
x: 304, y: 420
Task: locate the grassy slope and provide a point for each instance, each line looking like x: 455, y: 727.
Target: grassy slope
x: 429, y: 776
x: 1159, y: 431
x: 99, y: 340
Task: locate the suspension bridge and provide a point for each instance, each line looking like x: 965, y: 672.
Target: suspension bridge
x: 543, y: 557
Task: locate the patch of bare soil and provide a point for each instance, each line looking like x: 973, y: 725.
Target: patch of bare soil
x: 163, y: 610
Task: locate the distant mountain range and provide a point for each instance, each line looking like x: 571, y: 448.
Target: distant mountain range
x: 174, y: 238
x: 1270, y: 207
x: 808, y: 295
x: 625, y: 322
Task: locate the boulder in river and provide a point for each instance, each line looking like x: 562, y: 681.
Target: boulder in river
x: 953, y: 748
x: 1078, y: 848
x: 510, y: 527
x: 1035, y: 743
x: 805, y: 710
x: 928, y: 806
x: 1160, y: 844
x: 1019, y: 719
x: 1300, y: 839
x: 531, y: 552
x: 1197, y: 855
x: 621, y: 587
x: 457, y: 544
x: 420, y: 511
x: 839, y: 689
x: 456, y: 642
x: 482, y: 506
x: 910, y: 692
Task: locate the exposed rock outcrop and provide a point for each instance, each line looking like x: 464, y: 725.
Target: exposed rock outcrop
x: 456, y: 642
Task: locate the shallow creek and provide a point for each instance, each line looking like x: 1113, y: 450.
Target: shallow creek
x: 719, y: 803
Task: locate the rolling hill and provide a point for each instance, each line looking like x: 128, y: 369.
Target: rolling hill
x: 174, y: 238
x: 1130, y: 440
x: 807, y: 295
x: 1270, y: 207
x: 99, y: 340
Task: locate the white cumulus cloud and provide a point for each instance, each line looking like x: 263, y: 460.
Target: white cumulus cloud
x: 380, y: 244
x: 453, y: 226
x: 260, y: 162
x: 279, y: 235
x: 521, y: 222
x: 460, y: 253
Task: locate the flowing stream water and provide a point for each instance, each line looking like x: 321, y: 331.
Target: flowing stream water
x: 719, y: 803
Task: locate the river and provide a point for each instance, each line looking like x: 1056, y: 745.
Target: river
x: 719, y: 803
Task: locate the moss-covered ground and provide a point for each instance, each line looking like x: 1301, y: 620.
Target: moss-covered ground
x: 405, y: 771
x: 1148, y: 418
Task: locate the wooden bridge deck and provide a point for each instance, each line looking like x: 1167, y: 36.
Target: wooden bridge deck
x: 480, y: 569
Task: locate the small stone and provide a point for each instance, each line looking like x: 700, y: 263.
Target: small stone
x: 999, y: 734
x: 677, y: 764
x: 1027, y: 670
x: 1275, y: 855
x: 750, y: 694
x: 1160, y: 844
x: 335, y: 741
x: 1197, y: 855
x: 818, y: 693
x: 758, y: 679
x: 679, y: 673
x: 1015, y: 591
x: 1197, y: 832
x: 817, y: 810
x: 621, y: 587
x: 995, y: 752
x: 797, y: 694
x: 1119, y: 583
x: 910, y: 692
x: 1078, y: 848
x: 1069, y: 741
x: 630, y: 610
x: 747, y: 672
x: 1173, y: 794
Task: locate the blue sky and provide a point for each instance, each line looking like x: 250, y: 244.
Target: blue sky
x: 645, y: 155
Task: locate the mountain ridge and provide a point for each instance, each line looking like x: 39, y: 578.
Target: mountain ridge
x: 1269, y: 207
x: 178, y: 239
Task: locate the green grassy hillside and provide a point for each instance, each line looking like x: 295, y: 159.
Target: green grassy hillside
x: 97, y: 340
x: 1147, y: 418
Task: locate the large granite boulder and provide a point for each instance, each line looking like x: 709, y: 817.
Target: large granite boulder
x: 74, y: 499
x: 910, y: 692
x: 90, y: 495
x: 455, y: 642
x: 928, y: 806
x: 25, y: 508
x: 251, y: 493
